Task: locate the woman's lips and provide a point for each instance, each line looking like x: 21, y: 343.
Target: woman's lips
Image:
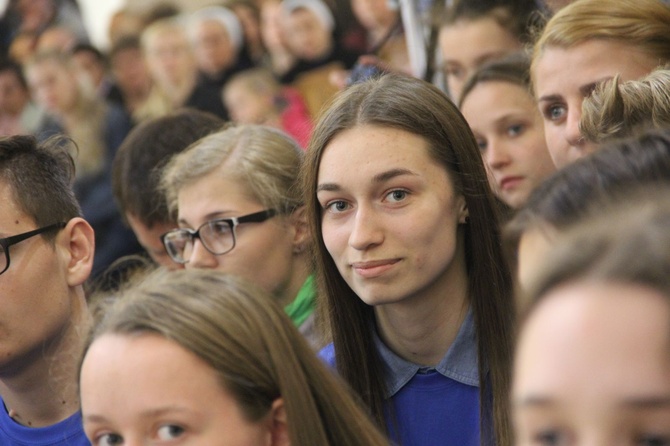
x: 373, y: 268
x: 510, y: 182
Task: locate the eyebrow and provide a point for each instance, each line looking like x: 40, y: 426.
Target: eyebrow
x: 535, y: 401
x: 550, y: 98
x: 151, y: 413
x: 648, y: 402
x: 587, y: 89
x: 379, y: 178
x: 643, y: 402
x: 211, y: 216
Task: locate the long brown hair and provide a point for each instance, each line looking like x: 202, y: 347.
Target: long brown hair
x: 250, y: 343
x: 415, y: 106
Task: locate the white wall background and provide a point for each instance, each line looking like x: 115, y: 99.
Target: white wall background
x: 96, y: 16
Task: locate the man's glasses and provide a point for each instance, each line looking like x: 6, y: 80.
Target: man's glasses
x: 217, y: 236
x: 5, y: 243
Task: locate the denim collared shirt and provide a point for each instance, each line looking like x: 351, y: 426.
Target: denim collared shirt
x: 460, y: 362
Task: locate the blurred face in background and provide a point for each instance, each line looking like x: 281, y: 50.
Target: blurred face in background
x: 510, y: 134
x: 306, y: 36
x: 466, y: 44
x: 214, y: 50
x: 53, y: 85
x: 170, y: 58
x: 13, y: 95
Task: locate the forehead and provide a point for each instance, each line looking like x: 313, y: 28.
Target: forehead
x: 481, y: 35
x: 587, y: 62
x: 365, y: 150
x: 573, y: 341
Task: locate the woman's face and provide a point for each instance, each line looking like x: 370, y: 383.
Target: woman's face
x: 592, y: 367
x: 53, y: 86
x: 467, y: 44
x: 145, y: 389
x: 563, y: 77
x: 263, y: 253
x: 214, y: 50
x: 390, y: 215
x: 306, y: 36
x: 510, y: 135
x: 170, y: 59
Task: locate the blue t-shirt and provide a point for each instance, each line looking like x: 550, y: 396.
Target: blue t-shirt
x: 69, y: 432
x: 432, y: 405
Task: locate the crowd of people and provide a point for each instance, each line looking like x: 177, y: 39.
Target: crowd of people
x: 255, y: 223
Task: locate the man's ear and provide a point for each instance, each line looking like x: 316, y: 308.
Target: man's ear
x: 77, y: 241
x: 301, y: 233
x: 279, y: 427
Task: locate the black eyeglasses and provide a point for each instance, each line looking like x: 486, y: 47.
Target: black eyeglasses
x: 5, y: 243
x: 217, y: 236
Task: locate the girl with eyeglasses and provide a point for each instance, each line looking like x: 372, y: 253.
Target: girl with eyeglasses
x: 240, y: 211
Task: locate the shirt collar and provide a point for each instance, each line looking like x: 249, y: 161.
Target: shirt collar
x: 459, y: 364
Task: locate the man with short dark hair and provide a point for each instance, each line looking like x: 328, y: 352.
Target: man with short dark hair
x: 136, y: 173
x: 46, y: 255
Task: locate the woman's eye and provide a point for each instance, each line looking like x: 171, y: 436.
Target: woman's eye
x: 653, y: 440
x: 108, y: 440
x: 396, y: 195
x: 555, y: 112
x: 169, y: 432
x: 220, y: 227
x: 337, y: 206
x: 453, y: 71
x: 514, y: 130
x: 548, y: 438
x: 481, y: 143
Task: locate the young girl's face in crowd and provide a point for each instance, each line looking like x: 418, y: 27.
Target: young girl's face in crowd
x: 467, y: 44
x: 170, y: 58
x: 510, y: 135
x: 145, y: 389
x: 389, y: 215
x: 563, y: 77
x: 306, y: 36
x: 53, y: 86
x: 263, y: 252
x: 213, y: 48
x: 592, y: 367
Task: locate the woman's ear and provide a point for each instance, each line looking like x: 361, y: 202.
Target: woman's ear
x: 463, y: 213
x: 279, y: 428
x: 301, y: 233
x: 77, y: 241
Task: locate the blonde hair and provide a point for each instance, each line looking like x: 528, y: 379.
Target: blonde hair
x: 249, y: 343
x: 644, y: 24
x: 88, y: 116
x: 265, y: 160
x: 619, y: 109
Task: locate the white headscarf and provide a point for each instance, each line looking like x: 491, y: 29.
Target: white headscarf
x: 225, y: 17
x: 320, y: 10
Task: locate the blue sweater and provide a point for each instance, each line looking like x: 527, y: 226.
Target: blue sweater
x: 68, y: 432
x: 432, y: 405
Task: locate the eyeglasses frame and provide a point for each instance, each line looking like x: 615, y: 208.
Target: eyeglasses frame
x: 233, y: 222
x: 14, y: 239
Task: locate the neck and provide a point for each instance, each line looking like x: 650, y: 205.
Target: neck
x: 422, y: 328
x: 43, y: 389
x: 300, y: 272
